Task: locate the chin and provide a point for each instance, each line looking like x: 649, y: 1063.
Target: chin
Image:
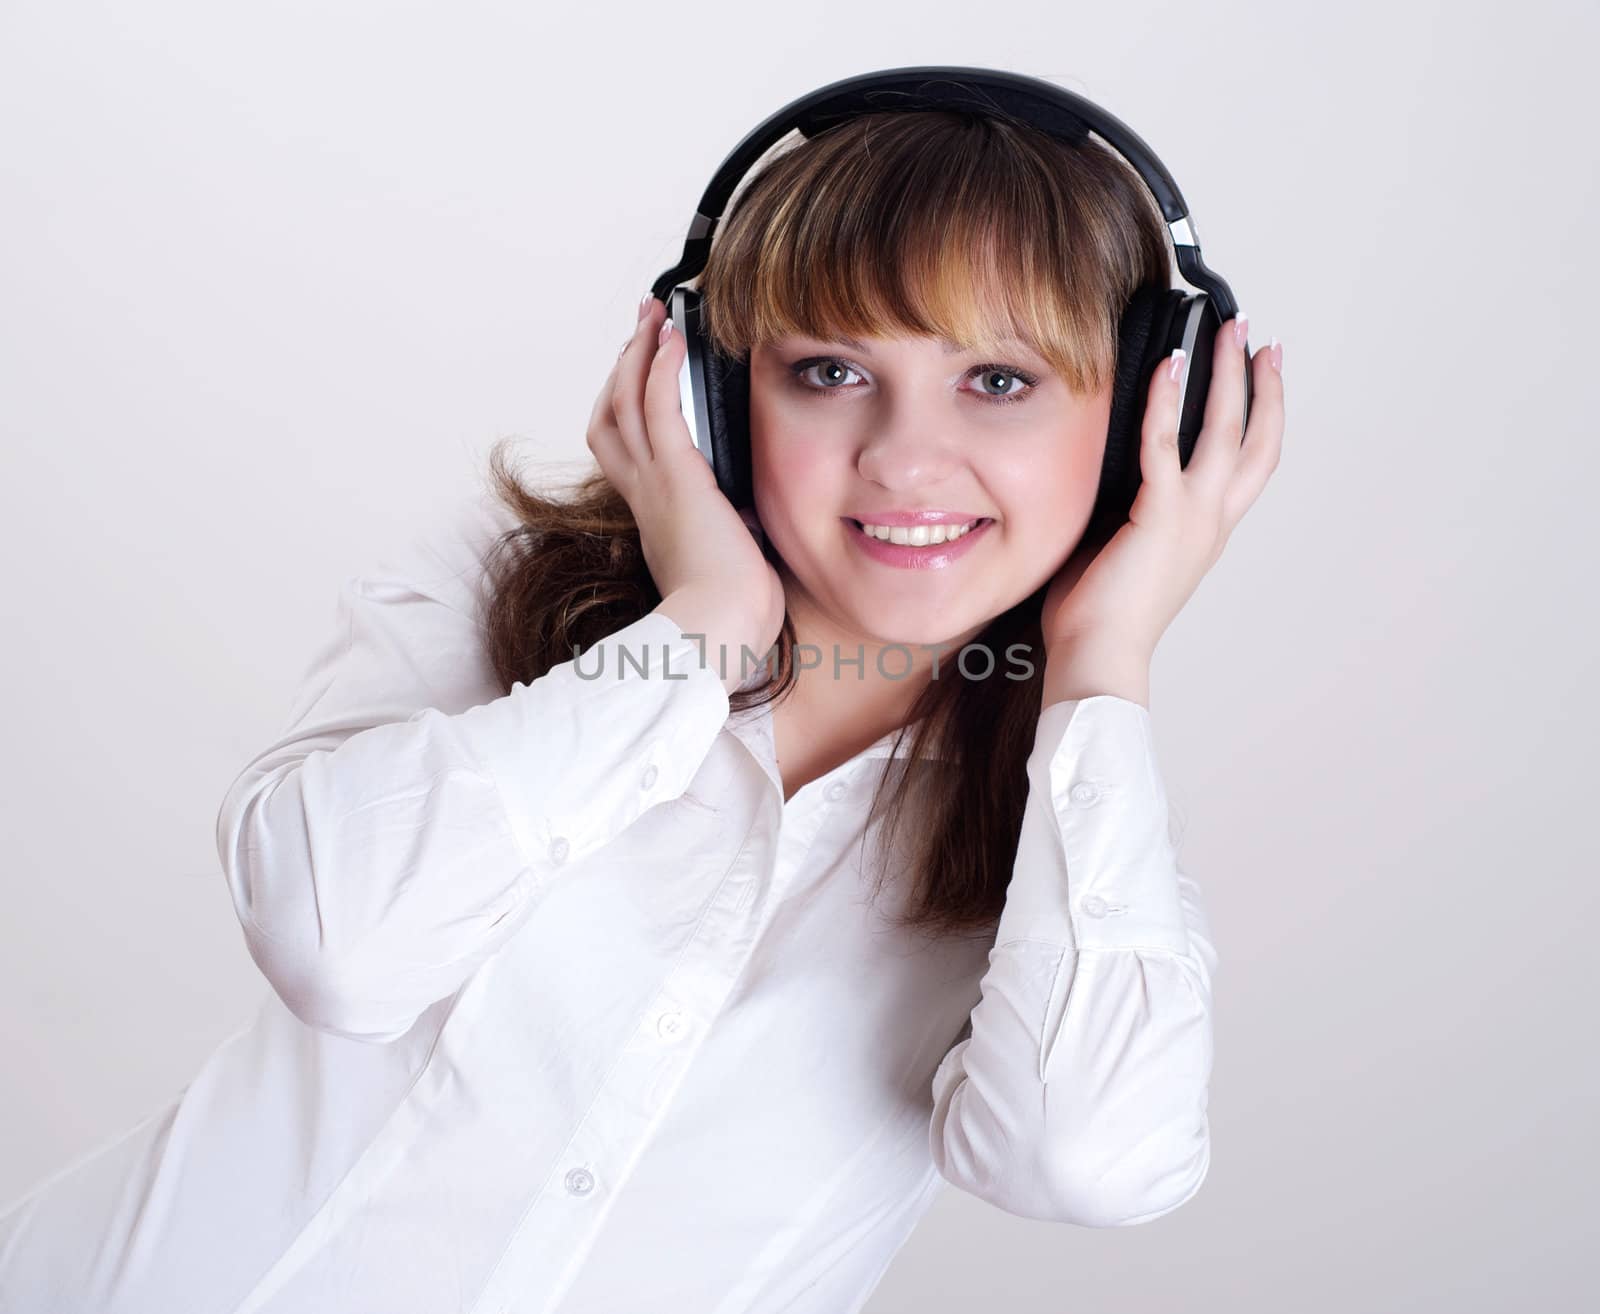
x: 920, y: 633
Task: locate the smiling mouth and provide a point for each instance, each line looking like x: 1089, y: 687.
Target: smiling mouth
x: 920, y: 535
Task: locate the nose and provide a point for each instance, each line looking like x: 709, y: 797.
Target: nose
x: 908, y: 447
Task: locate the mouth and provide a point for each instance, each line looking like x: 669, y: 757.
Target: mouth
x: 878, y: 543
x: 920, y: 535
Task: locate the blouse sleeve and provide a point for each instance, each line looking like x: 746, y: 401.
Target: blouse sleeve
x: 412, y: 816
x: 1078, y: 1090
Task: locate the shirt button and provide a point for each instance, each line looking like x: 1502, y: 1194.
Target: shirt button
x: 558, y: 849
x: 835, y: 791
x: 580, y: 1181
x: 669, y: 1026
x: 1083, y: 794
x: 1094, y: 905
x: 649, y: 778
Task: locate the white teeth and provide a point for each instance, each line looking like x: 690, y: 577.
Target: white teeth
x: 920, y: 536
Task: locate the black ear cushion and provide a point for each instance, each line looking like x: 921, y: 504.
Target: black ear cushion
x: 1152, y: 325
x: 728, y: 403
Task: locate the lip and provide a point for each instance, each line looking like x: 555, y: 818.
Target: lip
x: 934, y: 556
x: 909, y: 519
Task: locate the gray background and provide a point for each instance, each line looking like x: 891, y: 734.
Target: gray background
x: 273, y: 280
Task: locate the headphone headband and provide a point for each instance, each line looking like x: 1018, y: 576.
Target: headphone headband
x: 997, y: 93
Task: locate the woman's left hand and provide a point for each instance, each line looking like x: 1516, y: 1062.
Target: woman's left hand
x: 1121, y: 599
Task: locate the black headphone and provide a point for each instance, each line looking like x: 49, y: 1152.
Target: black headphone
x: 715, y: 389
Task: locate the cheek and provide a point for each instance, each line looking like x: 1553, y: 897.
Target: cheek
x: 794, y: 480
x: 1051, y: 491
x: 1077, y: 479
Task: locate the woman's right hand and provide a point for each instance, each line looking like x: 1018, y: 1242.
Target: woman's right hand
x: 695, y: 542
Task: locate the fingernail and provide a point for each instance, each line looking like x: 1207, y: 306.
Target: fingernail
x: 666, y: 328
x: 1275, y: 355
x: 1241, y: 327
x: 1175, y: 370
x: 644, y: 305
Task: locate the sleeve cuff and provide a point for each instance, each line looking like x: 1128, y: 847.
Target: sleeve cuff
x: 598, y: 740
x: 1096, y: 867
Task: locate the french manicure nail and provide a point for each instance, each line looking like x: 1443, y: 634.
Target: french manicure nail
x: 644, y: 305
x: 1175, y: 370
x: 1275, y: 355
x: 666, y: 328
x: 1241, y: 328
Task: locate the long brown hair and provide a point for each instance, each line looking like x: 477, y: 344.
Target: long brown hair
x: 967, y: 226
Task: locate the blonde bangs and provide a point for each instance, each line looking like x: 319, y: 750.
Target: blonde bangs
x: 976, y: 231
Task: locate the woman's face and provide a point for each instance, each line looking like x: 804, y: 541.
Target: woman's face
x: 845, y: 431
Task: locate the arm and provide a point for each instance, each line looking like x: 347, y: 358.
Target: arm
x: 1080, y: 1093
x: 412, y: 817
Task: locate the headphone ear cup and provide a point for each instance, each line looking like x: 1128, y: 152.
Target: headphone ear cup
x: 728, y: 407
x: 1154, y: 324
x: 1198, y: 313
x: 721, y: 386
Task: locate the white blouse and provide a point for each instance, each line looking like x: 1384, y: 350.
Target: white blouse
x: 571, y: 1011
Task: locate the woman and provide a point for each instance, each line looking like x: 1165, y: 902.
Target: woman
x: 612, y: 972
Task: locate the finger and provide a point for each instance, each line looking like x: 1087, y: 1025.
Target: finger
x: 668, y: 432
x: 616, y: 462
x: 1216, y: 450
x: 627, y: 403
x: 1263, y: 437
x: 605, y: 437
x: 1159, y: 464
x: 600, y: 414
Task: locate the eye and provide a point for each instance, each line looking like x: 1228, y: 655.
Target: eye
x: 832, y: 367
x: 988, y: 373
x: 836, y: 372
